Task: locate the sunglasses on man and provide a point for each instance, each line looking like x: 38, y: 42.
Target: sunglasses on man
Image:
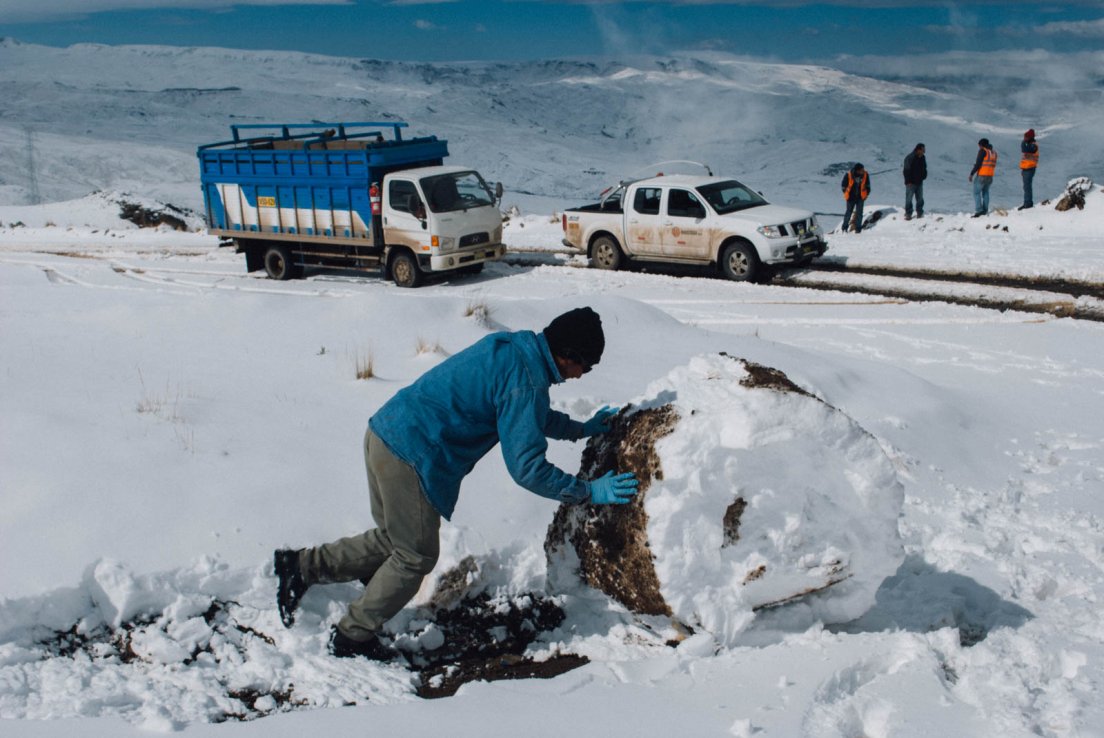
x: 573, y: 356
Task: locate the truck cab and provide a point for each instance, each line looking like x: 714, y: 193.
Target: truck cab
x: 446, y: 216
x: 693, y: 220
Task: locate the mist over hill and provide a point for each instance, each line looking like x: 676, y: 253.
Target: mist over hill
x: 554, y: 132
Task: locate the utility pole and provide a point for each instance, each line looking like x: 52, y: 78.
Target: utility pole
x: 32, y: 168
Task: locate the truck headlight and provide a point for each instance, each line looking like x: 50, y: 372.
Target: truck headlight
x: 443, y: 242
x: 770, y: 231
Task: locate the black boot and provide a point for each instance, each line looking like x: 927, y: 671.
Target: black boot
x: 291, y: 587
x: 344, y: 647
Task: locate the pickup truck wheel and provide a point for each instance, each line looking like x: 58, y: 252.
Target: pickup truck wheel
x: 278, y: 263
x: 606, y: 254
x: 739, y: 261
x: 405, y: 270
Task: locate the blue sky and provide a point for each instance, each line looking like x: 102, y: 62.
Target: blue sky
x: 436, y: 30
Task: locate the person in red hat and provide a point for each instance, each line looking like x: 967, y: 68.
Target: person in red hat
x: 425, y: 440
x: 1029, y: 160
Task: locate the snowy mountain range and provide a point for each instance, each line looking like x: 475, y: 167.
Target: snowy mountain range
x: 556, y: 132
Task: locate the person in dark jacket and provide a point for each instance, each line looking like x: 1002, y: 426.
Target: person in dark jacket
x: 1029, y: 160
x: 425, y: 440
x: 915, y: 171
x: 856, y: 188
x: 985, y: 167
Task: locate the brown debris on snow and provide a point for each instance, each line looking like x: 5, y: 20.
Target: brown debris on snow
x: 144, y: 217
x: 731, y: 521
x: 1075, y: 195
x: 611, y: 541
x: 767, y: 377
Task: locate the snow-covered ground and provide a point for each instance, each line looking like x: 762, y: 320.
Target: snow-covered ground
x: 168, y: 420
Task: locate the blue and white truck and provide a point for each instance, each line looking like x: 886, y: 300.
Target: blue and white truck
x: 348, y: 196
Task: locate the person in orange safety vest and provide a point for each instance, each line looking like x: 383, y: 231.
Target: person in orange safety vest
x: 984, y: 167
x: 1029, y: 160
x: 856, y: 188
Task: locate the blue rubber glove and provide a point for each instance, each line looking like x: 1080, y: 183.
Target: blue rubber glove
x: 613, y: 489
x: 599, y: 423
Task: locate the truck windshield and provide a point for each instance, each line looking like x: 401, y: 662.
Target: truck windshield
x: 730, y: 196
x: 456, y: 191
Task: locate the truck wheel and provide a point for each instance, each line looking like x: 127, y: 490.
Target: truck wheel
x: 405, y: 270
x: 278, y: 263
x: 606, y: 254
x: 739, y: 261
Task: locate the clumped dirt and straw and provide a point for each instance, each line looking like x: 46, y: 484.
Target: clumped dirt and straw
x: 611, y: 541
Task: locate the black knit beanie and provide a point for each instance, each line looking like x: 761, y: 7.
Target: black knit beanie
x: 577, y: 334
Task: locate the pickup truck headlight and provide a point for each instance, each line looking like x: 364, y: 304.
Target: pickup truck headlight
x: 770, y: 231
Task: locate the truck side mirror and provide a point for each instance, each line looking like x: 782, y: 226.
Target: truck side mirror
x: 416, y: 208
x: 498, y: 190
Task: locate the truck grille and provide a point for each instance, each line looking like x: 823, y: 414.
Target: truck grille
x: 800, y: 228
x: 474, y: 238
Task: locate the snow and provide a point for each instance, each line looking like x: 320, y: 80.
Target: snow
x: 169, y: 420
x: 731, y: 442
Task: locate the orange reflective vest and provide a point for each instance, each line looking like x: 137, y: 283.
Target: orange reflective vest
x: 864, y: 186
x: 1030, y: 160
x: 988, y: 164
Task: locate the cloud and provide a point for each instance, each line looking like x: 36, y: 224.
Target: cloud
x: 423, y: 25
x: 1081, y: 29
x: 24, y: 11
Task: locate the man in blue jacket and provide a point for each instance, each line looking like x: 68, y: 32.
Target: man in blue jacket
x: 425, y: 440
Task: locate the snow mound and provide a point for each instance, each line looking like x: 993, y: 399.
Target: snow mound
x: 118, y: 210
x: 754, y: 494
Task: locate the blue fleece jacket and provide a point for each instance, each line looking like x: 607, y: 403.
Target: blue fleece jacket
x: 495, y: 391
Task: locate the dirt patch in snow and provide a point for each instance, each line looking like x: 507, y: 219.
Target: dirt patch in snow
x: 767, y: 377
x: 143, y: 217
x: 611, y: 541
x: 485, y: 638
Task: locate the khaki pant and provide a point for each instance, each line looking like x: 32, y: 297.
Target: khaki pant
x: 393, y: 558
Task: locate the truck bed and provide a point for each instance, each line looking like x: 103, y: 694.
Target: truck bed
x: 597, y: 207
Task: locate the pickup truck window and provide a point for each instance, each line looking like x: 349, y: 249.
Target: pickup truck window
x: 456, y: 191
x: 683, y: 204
x: 646, y: 201
x: 730, y: 196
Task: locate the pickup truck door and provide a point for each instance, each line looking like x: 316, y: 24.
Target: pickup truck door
x: 683, y: 229
x: 400, y: 224
x: 642, y: 222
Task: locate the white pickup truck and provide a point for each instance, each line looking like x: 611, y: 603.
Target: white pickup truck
x: 693, y: 220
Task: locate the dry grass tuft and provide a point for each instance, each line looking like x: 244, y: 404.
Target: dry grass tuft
x: 365, y: 366
x: 423, y: 347
x: 480, y: 311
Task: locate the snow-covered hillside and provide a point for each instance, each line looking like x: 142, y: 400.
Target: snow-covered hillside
x: 554, y: 132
